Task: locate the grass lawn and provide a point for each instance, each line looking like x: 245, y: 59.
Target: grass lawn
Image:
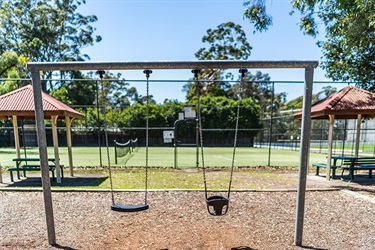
x: 181, y: 179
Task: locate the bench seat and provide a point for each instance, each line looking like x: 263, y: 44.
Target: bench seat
x: 33, y: 167
x: 359, y: 164
x: 324, y: 165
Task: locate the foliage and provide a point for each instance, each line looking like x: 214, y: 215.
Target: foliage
x: 260, y: 88
x: 298, y: 102
x: 219, y: 108
x: 256, y: 13
x: 11, y: 66
x: 227, y: 42
x: 349, y: 51
x: 46, y: 30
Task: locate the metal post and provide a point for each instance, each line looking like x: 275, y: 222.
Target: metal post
x: 42, y: 143
x: 98, y: 123
x: 175, y: 143
x: 1, y: 174
x: 197, y: 143
x: 116, y: 149
x: 198, y: 119
x: 270, y: 124
x: 330, y: 139
x: 304, y: 154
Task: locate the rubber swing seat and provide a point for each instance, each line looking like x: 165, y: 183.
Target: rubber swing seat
x: 128, y: 208
x: 219, y: 204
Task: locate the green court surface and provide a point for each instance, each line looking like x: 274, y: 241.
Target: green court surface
x: 165, y: 157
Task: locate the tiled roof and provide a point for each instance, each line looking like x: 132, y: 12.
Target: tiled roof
x: 20, y: 102
x: 344, y: 104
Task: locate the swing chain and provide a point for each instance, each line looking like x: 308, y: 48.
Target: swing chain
x: 243, y: 72
x: 147, y: 72
x: 101, y: 74
x: 196, y: 72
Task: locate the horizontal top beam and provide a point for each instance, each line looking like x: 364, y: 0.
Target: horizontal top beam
x: 201, y: 64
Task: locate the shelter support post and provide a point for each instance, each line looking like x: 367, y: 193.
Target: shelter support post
x: 42, y: 144
x: 56, y: 147
x: 304, y: 154
x: 68, y: 121
x: 357, y: 137
x: 330, y: 143
x: 16, y: 136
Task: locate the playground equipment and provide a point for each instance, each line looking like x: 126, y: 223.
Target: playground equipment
x: 36, y: 67
x: 115, y: 206
x: 217, y: 205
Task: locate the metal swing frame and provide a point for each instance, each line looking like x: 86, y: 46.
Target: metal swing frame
x: 308, y: 65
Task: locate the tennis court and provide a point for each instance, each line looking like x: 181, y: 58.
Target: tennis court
x: 186, y: 157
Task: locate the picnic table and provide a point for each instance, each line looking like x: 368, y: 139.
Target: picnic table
x: 352, y: 163
x: 32, y: 164
x: 349, y: 163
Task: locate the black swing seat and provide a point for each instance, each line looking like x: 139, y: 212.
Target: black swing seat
x: 128, y: 208
x: 219, y: 204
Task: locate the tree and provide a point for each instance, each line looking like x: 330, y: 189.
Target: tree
x: 11, y: 66
x: 227, y: 42
x: 259, y: 88
x: 256, y: 13
x: 349, y: 51
x: 80, y: 91
x: 298, y: 102
x: 46, y: 30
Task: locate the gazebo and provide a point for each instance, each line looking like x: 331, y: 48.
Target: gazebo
x: 348, y: 103
x: 19, y: 104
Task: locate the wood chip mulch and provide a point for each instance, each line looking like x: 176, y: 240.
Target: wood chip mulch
x: 179, y: 220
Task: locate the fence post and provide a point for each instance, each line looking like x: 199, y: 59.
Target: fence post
x: 1, y: 175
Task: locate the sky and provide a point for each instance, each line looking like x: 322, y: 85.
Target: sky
x: 159, y: 30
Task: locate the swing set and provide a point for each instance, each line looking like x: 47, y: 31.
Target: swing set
x: 217, y: 205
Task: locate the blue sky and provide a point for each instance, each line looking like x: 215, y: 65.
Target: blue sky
x: 156, y: 30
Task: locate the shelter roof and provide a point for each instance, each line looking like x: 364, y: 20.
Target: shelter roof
x: 20, y: 102
x: 344, y: 104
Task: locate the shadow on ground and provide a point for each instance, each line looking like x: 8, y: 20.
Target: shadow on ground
x: 360, y: 183
x: 76, y: 181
